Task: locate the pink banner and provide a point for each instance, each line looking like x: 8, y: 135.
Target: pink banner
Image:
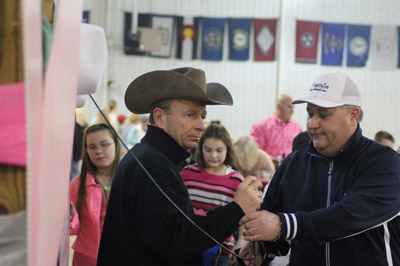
x: 12, y: 121
x: 50, y: 122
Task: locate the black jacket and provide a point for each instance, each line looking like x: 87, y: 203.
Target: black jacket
x: 339, y: 211
x: 142, y: 227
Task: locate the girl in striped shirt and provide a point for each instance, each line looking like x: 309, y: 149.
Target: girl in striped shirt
x: 212, y: 182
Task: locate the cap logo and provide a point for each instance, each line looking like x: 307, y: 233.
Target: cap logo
x: 319, y: 87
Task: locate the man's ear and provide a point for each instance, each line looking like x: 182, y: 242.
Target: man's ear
x: 159, y: 117
x: 355, y: 115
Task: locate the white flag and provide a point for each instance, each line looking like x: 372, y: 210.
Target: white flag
x: 165, y: 25
x: 384, y: 47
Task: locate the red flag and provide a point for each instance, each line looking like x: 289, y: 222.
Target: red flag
x: 307, y: 41
x: 264, y: 39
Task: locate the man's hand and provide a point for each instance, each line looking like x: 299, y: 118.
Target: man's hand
x: 247, y: 252
x: 261, y: 226
x: 248, y: 194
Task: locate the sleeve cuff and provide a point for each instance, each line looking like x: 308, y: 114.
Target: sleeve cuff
x: 289, y: 228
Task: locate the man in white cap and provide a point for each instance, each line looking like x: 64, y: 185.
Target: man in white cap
x: 336, y: 201
x: 142, y: 227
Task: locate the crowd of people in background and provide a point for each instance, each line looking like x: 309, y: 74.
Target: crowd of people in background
x: 214, y: 172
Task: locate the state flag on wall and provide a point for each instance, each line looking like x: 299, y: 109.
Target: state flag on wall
x: 239, y: 38
x: 212, y: 38
x: 166, y: 25
x: 332, y: 44
x: 398, y: 47
x: 264, y: 39
x: 307, y: 33
x: 131, y: 41
x: 86, y: 16
x: 384, y: 49
x: 357, y: 45
x: 187, y: 36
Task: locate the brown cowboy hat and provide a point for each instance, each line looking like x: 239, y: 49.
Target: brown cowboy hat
x: 181, y: 83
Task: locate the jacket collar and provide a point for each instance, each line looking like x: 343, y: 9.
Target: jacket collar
x: 348, y: 149
x: 165, y: 144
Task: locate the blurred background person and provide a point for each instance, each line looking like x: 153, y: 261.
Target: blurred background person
x: 384, y: 138
x: 251, y: 160
x: 130, y: 132
x: 275, y: 134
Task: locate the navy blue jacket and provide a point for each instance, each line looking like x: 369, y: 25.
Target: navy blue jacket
x: 338, y: 211
x: 142, y: 227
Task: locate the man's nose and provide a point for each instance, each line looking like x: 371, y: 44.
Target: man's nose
x: 313, y: 122
x: 201, y: 125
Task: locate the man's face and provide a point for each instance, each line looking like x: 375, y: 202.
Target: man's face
x: 285, y: 110
x: 185, y: 122
x: 330, y: 128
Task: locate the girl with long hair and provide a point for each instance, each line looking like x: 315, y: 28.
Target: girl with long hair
x: 89, y: 191
x: 212, y: 182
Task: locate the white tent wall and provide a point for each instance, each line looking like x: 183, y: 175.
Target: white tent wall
x: 255, y: 85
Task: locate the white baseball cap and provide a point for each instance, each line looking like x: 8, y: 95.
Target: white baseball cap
x: 332, y: 90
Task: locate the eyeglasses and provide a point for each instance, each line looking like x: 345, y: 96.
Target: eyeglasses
x: 103, y: 146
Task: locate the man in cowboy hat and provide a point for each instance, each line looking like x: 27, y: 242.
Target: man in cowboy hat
x: 142, y: 227
x: 335, y: 201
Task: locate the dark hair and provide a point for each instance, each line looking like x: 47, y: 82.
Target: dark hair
x: 164, y: 104
x: 88, y: 166
x: 381, y: 135
x: 215, y: 131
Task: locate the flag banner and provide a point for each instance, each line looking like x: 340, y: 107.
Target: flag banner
x: 131, y: 41
x: 357, y: 45
x: 384, y: 49
x: 212, y: 38
x: 86, y: 16
x: 264, y: 39
x: 165, y: 24
x: 398, y: 47
x: 239, y: 38
x: 332, y: 44
x: 186, y: 45
x: 307, y: 33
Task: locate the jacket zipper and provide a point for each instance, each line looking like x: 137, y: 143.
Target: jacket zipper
x: 328, y: 203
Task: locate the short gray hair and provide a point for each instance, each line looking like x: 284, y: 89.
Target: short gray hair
x: 361, y: 111
x: 164, y: 105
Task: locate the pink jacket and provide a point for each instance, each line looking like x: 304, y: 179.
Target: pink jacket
x: 88, y: 229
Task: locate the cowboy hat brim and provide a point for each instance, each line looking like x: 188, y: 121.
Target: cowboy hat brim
x: 159, y: 85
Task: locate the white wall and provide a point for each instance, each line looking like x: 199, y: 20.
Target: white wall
x: 253, y: 85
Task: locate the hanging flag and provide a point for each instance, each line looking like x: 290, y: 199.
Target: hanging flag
x: 398, y: 47
x: 86, y: 16
x: 239, y: 38
x: 166, y: 25
x: 131, y: 41
x: 212, y: 36
x: 186, y: 45
x: 307, y: 33
x: 384, y: 49
x: 332, y: 44
x: 357, y: 45
x: 264, y: 39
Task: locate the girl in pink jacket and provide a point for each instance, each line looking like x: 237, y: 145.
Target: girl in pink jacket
x: 89, y: 192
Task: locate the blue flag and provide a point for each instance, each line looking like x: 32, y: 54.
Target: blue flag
x: 358, y: 38
x: 332, y: 44
x: 398, y: 47
x: 212, y: 38
x: 86, y: 16
x: 239, y: 38
x: 131, y: 41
